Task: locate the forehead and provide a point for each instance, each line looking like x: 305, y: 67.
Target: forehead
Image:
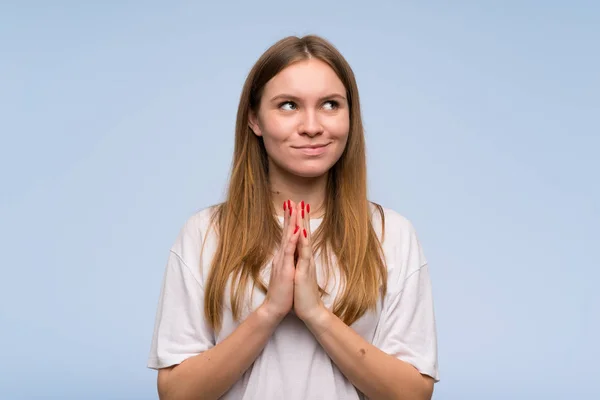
x: 307, y: 78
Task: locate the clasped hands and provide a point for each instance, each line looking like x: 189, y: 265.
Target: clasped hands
x: 293, y: 283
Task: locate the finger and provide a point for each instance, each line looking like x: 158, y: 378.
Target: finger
x: 291, y: 214
x: 303, y: 262
x: 288, y: 217
x: 304, y: 242
x: 291, y: 244
x: 286, y: 214
x: 284, y: 235
x: 306, y: 222
x: 290, y: 209
x: 302, y: 223
x: 301, y: 214
x: 291, y: 220
x: 304, y: 250
x: 285, y: 219
x: 306, y: 218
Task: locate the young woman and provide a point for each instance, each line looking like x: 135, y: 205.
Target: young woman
x: 296, y: 286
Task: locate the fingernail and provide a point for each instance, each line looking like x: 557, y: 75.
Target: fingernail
x: 308, y: 208
x: 302, y: 205
x: 304, y: 232
x: 302, y: 214
x: 284, y: 205
x: 296, y: 230
x: 290, y: 207
x: 289, y: 204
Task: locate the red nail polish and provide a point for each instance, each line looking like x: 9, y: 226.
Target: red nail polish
x: 290, y: 207
x: 308, y: 208
x: 284, y: 205
x: 304, y: 231
x: 296, y: 230
x: 302, y: 214
x: 302, y: 205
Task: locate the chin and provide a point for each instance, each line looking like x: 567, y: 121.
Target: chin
x: 304, y: 168
x: 309, y: 174
x: 312, y: 171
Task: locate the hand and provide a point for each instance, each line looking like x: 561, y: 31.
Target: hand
x: 307, y: 298
x: 280, y: 293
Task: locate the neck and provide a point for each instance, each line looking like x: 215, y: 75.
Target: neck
x: 286, y: 186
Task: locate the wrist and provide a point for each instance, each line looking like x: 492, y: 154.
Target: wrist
x: 269, y: 316
x: 318, y: 321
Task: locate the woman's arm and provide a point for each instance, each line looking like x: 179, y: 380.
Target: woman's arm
x: 210, y: 374
x: 375, y: 373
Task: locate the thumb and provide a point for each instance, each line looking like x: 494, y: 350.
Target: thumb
x: 289, y: 250
x: 304, y: 251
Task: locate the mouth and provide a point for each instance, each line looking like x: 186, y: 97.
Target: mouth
x: 312, y: 146
x: 312, y: 149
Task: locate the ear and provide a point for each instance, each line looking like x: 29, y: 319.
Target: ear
x: 253, y: 123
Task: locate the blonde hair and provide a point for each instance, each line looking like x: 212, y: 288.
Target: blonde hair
x: 246, y: 221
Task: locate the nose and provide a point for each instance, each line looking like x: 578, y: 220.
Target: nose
x: 310, y: 124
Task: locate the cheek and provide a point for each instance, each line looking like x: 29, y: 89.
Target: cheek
x: 339, y: 129
x: 275, y: 133
x: 277, y: 129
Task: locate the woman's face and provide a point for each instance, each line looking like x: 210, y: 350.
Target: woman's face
x: 304, y: 119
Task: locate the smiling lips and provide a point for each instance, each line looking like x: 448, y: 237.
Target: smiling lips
x: 313, y: 149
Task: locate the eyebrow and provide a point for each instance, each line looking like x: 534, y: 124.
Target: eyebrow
x: 296, y: 98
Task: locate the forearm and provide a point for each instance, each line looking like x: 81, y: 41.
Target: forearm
x: 210, y: 374
x: 376, y: 374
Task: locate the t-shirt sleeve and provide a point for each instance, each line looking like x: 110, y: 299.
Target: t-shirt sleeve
x: 180, y: 330
x: 407, y: 328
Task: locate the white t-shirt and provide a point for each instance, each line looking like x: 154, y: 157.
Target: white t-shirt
x: 293, y: 365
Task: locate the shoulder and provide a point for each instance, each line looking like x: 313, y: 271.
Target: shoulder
x: 388, y: 222
x: 401, y: 246
x: 195, y: 236
x: 195, y: 228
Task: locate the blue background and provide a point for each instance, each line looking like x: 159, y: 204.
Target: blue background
x: 482, y: 123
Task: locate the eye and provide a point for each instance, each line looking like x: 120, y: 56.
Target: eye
x: 287, y: 106
x: 331, y: 105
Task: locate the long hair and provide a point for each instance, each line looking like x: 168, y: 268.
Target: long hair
x: 246, y: 222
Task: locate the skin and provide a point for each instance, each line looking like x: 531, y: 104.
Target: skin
x: 304, y: 104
